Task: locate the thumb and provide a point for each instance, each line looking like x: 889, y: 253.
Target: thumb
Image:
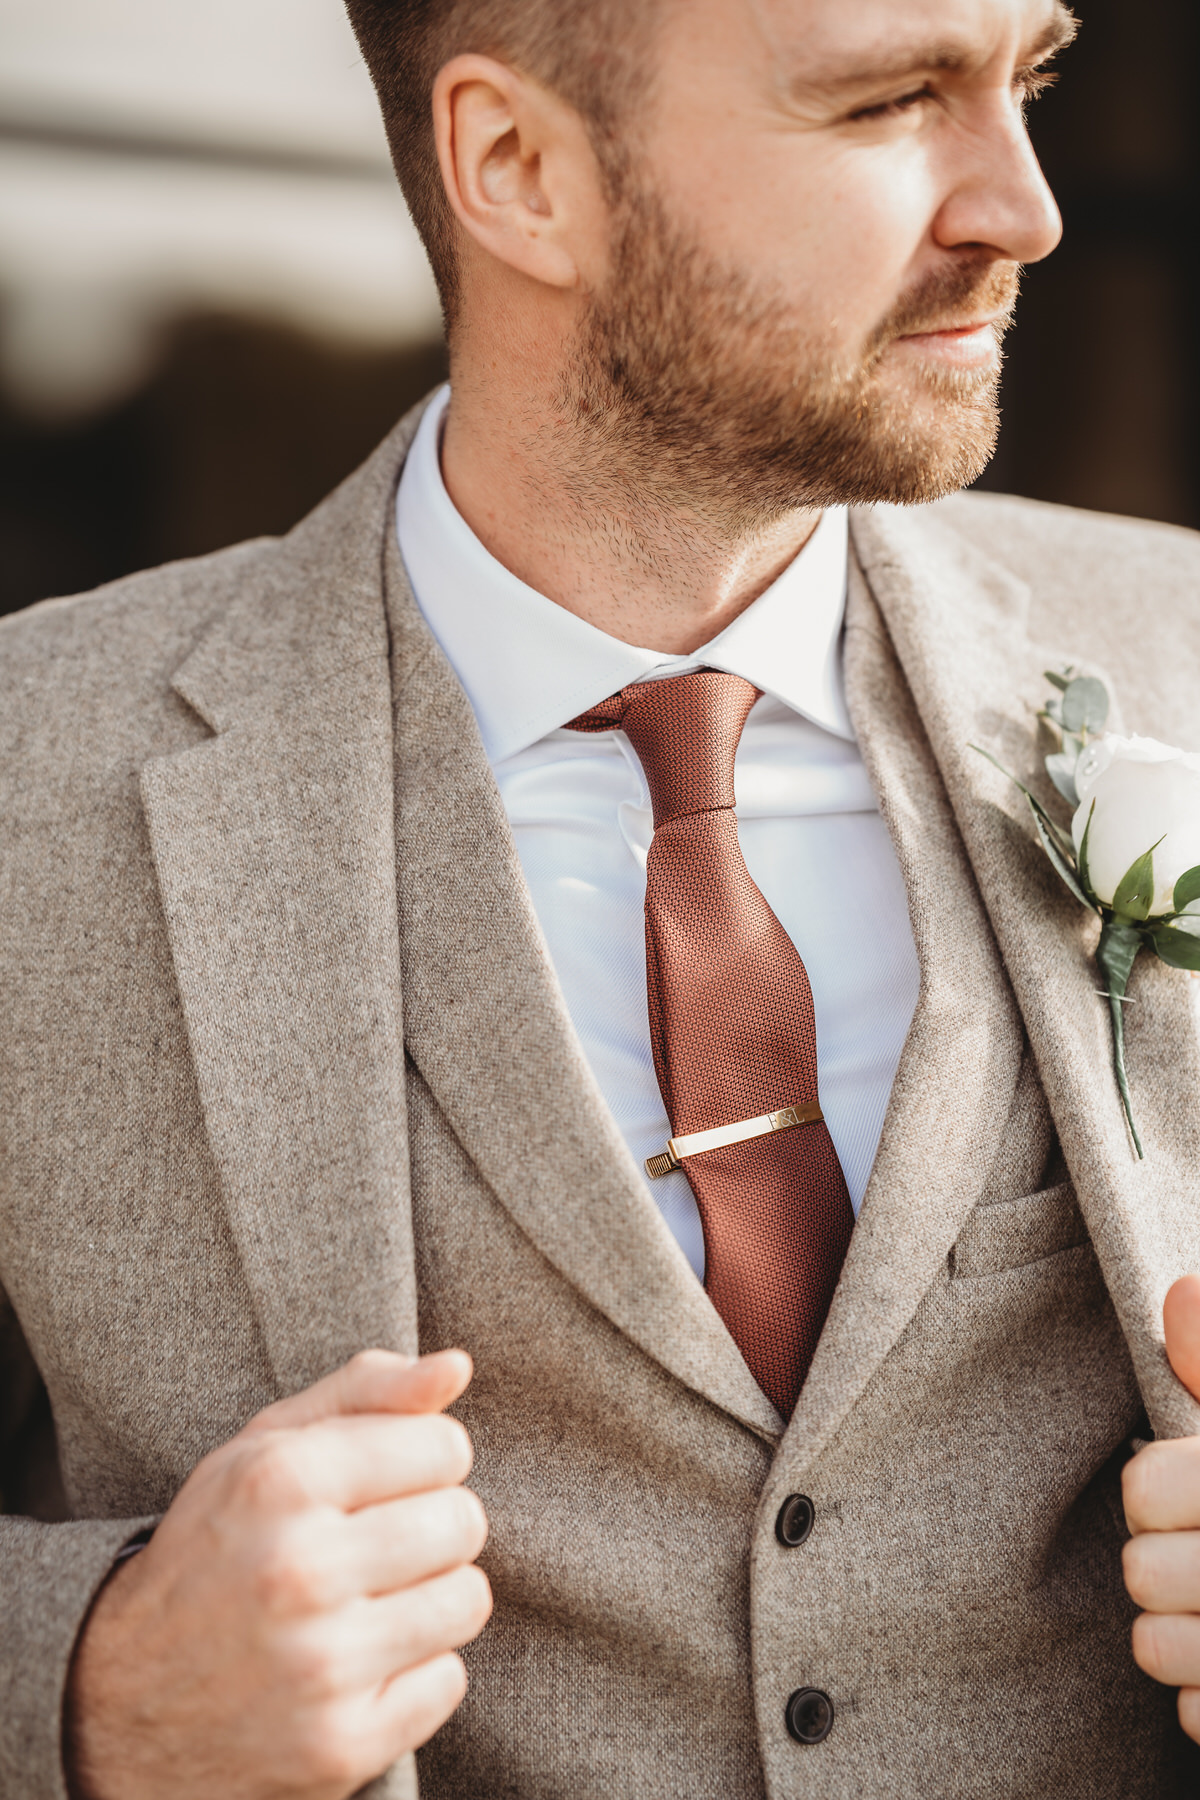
x: 374, y: 1381
x: 1181, y: 1322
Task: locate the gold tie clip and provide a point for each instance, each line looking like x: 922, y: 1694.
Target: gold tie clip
x: 697, y: 1142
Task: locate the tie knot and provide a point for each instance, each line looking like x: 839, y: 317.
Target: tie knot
x: 686, y: 732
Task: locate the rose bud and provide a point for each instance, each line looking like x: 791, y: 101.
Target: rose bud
x: 1142, y: 791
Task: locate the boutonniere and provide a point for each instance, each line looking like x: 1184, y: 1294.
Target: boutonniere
x: 1132, y: 851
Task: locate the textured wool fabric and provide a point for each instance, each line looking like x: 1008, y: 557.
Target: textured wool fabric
x: 732, y: 1031
x: 284, y: 1072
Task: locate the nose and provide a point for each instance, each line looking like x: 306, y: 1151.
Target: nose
x: 998, y: 196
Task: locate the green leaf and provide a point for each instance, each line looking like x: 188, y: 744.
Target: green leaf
x: 1085, y: 704
x: 1061, y: 682
x: 1084, y: 873
x: 1055, y: 841
x: 1187, y: 888
x: 1055, y: 854
x: 1116, y: 954
x: 1061, y: 770
x: 1179, y: 949
x: 1135, y: 890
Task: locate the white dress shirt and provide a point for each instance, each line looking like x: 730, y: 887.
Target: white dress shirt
x: 580, y: 812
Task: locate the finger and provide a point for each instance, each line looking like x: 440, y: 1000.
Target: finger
x: 1162, y: 1571
x: 372, y: 1641
x: 412, y: 1706
x: 1189, y: 1711
x: 1161, y: 1486
x: 374, y: 1381
x: 352, y: 1462
x: 1167, y: 1646
x: 400, y: 1542
x: 1181, y: 1322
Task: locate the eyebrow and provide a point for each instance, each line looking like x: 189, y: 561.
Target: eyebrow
x: 896, y: 62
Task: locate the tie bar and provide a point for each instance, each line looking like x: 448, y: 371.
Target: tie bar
x: 697, y: 1142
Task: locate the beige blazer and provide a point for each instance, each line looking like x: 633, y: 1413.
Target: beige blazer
x: 285, y: 1071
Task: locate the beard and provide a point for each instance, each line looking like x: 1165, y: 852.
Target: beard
x: 688, y: 386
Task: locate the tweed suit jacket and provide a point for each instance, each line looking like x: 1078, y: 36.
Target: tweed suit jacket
x: 285, y: 1072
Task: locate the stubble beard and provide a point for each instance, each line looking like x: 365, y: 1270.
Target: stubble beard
x: 689, y: 389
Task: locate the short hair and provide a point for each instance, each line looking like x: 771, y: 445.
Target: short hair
x: 593, y: 53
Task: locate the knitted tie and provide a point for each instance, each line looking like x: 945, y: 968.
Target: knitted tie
x: 733, y: 1034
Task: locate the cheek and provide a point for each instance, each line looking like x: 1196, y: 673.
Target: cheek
x: 839, y: 234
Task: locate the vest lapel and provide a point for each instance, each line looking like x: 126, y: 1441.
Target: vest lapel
x: 486, y: 1025
x: 959, y: 624
x: 275, y: 858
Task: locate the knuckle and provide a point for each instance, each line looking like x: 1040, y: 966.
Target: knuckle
x: 312, y: 1666
x: 470, y: 1520
x: 475, y: 1599
x: 1140, y: 1480
x: 291, y: 1578
x: 1137, y: 1567
x: 1189, y: 1711
x: 372, y: 1362
x: 331, y: 1750
x: 455, y: 1445
x: 1148, y: 1646
x: 269, y: 1477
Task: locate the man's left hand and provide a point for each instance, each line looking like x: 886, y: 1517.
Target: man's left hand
x: 1162, y: 1506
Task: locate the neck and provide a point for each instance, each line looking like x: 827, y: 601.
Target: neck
x: 551, y: 505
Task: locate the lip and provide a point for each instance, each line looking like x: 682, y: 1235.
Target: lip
x: 969, y: 345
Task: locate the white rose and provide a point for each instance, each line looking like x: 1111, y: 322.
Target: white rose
x: 1143, y: 791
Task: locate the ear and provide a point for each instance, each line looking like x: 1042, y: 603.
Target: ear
x: 519, y: 171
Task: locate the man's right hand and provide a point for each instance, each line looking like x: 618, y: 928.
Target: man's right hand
x: 289, y: 1630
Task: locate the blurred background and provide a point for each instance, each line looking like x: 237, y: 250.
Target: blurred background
x: 213, y: 305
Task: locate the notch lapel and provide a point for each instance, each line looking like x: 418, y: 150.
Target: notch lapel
x: 954, y: 1088
x: 960, y: 626
x: 486, y: 1025
x: 275, y: 857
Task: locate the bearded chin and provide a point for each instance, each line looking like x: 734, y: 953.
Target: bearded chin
x: 689, y: 388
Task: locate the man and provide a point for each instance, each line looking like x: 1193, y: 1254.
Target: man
x: 329, y: 1028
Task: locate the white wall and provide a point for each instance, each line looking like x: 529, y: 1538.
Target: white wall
x: 163, y: 156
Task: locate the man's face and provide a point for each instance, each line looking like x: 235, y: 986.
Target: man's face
x: 817, y: 249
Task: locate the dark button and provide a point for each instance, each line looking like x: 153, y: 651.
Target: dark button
x: 795, y: 1520
x: 809, y: 1716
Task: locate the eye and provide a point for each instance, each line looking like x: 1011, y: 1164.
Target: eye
x: 885, y: 109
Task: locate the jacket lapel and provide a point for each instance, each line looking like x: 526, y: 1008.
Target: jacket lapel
x: 486, y: 1025
x: 275, y: 857
x: 955, y: 1085
x: 960, y: 627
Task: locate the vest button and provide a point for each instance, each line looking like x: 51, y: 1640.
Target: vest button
x: 809, y: 1716
x: 795, y: 1520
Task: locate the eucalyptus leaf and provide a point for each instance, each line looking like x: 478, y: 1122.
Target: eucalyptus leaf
x: 1053, y: 710
x: 1061, y: 770
x: 1085, y: 704
x: 1116, y: 954
x: 1180, y: 949
x: 1187, y: 888
x: 1061, y: 682
x: 1135, y: 890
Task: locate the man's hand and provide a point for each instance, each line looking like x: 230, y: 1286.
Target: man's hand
x: 1162, y: 1506
x: 289, y: 1630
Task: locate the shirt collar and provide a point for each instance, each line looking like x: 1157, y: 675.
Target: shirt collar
x: 529, y: 665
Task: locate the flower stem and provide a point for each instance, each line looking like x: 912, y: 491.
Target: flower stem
x: 1116, y: 954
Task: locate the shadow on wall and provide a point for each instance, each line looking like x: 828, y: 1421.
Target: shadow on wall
x: 239, y: 432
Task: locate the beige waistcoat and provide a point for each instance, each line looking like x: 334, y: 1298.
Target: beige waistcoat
x: 285, y: 1071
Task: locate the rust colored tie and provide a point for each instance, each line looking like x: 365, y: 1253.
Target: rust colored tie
x: 733, y: 1033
